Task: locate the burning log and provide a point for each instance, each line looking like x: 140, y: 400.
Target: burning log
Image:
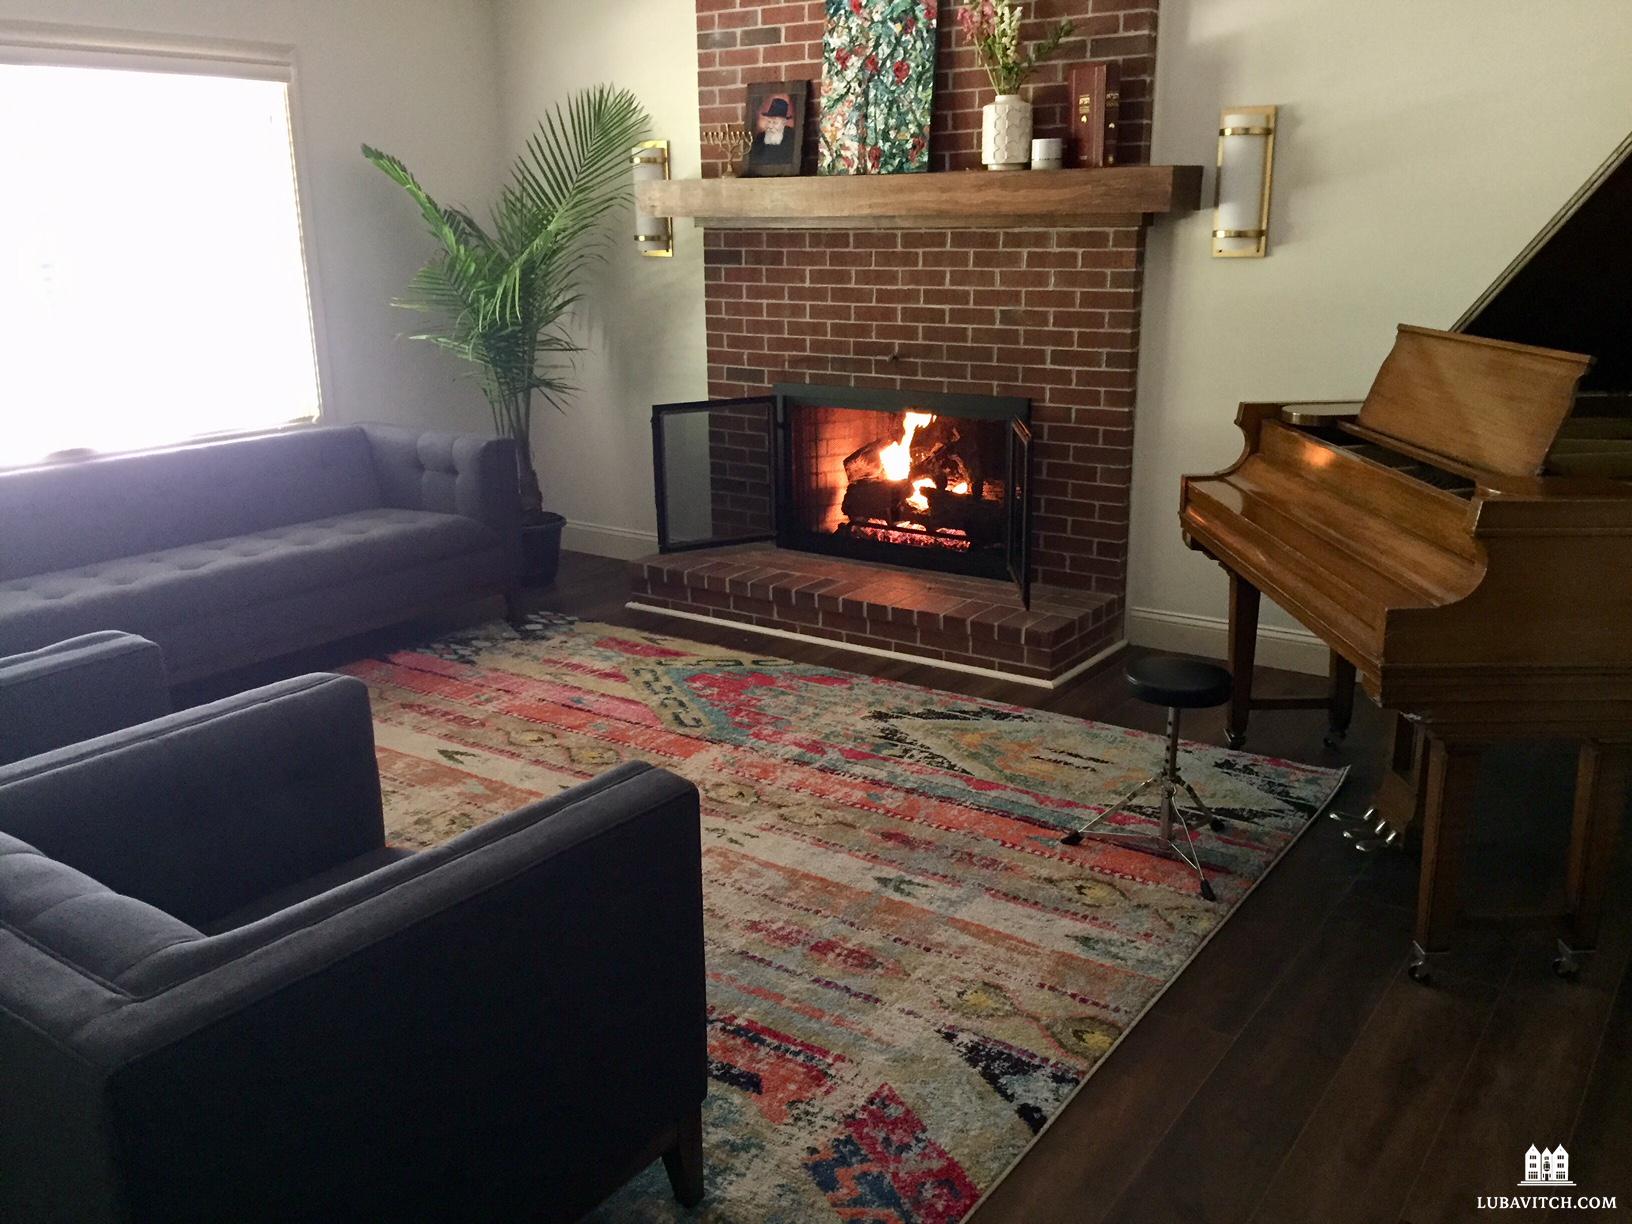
x: 941, y: 434
x: 867, y: 463
x: 979, y: 520
x: 921, y: 484
x: 876, y: 499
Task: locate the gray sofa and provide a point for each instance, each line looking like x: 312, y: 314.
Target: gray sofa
x: 227, y: 553
x: 223, y: 996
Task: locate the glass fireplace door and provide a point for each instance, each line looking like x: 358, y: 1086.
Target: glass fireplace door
x: 713, y: 467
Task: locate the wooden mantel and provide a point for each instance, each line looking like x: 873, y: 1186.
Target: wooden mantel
x: 951, y: 200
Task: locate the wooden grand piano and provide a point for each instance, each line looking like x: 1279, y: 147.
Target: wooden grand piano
x: 1462, y: 540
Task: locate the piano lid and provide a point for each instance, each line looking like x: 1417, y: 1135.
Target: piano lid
x: 1571, y: 288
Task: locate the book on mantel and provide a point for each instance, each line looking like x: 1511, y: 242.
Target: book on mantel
x: 1094, y: 99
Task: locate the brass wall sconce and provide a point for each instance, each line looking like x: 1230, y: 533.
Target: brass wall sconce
x: 1246, y: 165
x: 731, y: 139
x: 653, y: 235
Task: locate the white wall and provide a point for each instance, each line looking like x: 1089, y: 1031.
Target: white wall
x: 1421, y: 145
x: 643, y: 321
x: 415, y: 77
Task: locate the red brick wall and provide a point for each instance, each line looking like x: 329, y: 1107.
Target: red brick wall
x: 739, y: 41
x: 740, y: 476
x: 1051, y: 314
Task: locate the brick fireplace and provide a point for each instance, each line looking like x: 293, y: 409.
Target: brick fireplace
x: 1045, y: 314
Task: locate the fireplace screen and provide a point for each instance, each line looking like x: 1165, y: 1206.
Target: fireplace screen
x: 919, y: 479
x: 714, y: 465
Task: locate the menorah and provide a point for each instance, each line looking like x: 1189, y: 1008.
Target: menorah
x: 733, y: 139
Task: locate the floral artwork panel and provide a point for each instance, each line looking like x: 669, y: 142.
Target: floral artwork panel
x: 878, y: 84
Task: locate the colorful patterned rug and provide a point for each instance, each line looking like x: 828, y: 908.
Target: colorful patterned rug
x: 908, y: 974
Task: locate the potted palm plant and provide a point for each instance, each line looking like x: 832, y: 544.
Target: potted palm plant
x: 501, y: 297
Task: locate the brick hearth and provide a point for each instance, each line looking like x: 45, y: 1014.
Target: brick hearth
x: 943, y: 618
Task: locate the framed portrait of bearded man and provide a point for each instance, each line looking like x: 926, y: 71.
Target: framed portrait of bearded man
x: 775, y: 118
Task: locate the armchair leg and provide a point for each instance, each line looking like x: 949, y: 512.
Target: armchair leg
x: 684, y: 1161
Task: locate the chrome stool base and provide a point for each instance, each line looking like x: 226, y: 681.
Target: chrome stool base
x: 1162, y: 841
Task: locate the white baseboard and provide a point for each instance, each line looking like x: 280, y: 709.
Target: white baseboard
x: 1293, y: 649
x: 600, y: 540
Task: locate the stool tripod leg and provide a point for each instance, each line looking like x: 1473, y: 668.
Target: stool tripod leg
x: 1195, y: 860
x: 1213, y: 818
x: 1073, y: 837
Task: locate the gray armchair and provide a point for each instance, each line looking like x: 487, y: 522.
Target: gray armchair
x: 224, y: 997
x: 78, y: 689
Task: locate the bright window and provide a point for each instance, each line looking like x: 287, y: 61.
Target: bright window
x: 152, y: 281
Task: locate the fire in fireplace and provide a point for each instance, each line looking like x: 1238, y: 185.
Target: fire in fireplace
x: 922, y: 479
x: 914, y: 478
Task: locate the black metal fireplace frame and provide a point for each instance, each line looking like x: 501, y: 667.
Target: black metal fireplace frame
x: 1015, y: 562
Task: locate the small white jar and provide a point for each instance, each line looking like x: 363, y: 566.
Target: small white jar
x: 1047, y: 153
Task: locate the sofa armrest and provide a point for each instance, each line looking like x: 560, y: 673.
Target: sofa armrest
x: 78, y: 689
x: 524, y: 1003
x: 466, y: 474
x: 201, y: 812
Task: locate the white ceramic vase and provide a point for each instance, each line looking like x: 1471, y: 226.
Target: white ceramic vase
x: 1005, y: 133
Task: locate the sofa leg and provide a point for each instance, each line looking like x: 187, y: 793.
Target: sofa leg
x: 514, y: 610
x: 684, y: 1161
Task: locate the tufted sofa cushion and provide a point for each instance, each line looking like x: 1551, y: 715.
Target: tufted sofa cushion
x: 448, y: 473
x: 76, y: 921
x: 147, y: 593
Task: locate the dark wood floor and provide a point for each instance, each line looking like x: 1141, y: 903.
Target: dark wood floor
x: 1294, y: 1072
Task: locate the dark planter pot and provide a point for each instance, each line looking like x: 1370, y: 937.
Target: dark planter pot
x: 541, y: 549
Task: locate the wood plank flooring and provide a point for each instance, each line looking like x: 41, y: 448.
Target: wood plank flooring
x: 1294, y: 1073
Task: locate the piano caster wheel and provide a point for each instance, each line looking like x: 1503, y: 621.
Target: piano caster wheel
x: 1207, y: 893
x: 1334, y: 739
x: 1073, y: 838
x: 1567, y: 964
x: 1418, y: 969
x: 1235, y: 739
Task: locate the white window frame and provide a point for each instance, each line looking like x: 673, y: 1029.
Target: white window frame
x: 47, y: 44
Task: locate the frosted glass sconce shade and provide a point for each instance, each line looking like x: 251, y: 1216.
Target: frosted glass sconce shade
x: 1246, y: 163
x: 653, y: 235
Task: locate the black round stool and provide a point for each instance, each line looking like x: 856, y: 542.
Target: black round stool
x: 1178, y: 684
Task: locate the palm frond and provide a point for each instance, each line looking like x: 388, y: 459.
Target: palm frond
x: 501, y: 296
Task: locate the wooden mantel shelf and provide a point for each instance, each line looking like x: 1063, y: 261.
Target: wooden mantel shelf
x: 949, y: 200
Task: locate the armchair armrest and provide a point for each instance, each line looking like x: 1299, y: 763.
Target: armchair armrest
x: 464, y: 474
x: 201, y: 812
x: 78, y: 689
x: 525, y: 1004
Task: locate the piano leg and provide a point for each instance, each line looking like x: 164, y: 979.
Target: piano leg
x: 1243, y: 646
x: 1452, y: 774
x: 1340, y: 708
x: 1601, y: 778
